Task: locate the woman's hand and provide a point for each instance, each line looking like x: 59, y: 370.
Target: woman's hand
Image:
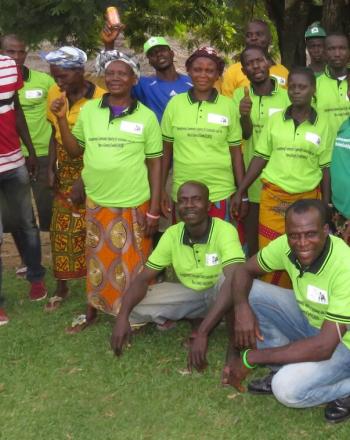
x: 166, y: 204
x: 59, y: 106
x: 152, y: 224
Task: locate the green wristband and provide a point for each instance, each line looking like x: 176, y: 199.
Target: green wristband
x: 245, y: 360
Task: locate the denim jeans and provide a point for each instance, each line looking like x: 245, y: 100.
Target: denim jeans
x: 281, y: 321
x: 15, y: 189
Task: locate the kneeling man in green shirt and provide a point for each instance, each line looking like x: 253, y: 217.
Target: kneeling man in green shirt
x: 204, y: 251
x: 300, y: 333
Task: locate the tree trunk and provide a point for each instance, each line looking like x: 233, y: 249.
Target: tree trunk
x: 336, y: 16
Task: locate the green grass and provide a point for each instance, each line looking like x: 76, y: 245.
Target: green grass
x: 55, y: 386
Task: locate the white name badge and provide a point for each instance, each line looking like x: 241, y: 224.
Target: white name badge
x: 313, y: 137
x: 315, y: 294
x: 217, y: 119
x: 274, y: 110
x: 280, y: 79
x: 131, y: 127
x: 33, y: 94
x: 211, y: 259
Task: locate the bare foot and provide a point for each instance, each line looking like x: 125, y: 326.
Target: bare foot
x: 231, y: 354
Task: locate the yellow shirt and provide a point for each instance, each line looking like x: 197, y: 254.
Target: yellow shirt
x: 72, y: 112
x: 234, y: 78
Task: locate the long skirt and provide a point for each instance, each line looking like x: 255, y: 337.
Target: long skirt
x: 116, y: 251
x: 273, y: 205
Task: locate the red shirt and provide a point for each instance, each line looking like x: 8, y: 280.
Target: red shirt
x: 10, y: 81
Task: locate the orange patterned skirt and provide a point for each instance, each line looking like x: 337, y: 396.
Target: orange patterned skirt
x: 273, y: 205
x: 116, y: 251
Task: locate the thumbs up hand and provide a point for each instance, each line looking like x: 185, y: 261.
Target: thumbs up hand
x: 245, y: 106
x: 59, y: 106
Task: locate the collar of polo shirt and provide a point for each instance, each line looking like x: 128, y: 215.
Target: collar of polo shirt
x: 193, y: 100
x: 128, y: 111
x: 317, y: 264
x: 273, y: 91
x: 312, y: 118
x: 187, y: 240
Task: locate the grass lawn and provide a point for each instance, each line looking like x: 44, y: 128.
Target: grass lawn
x: 55, y: 386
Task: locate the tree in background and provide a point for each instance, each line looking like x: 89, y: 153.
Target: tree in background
x: 219, y: 22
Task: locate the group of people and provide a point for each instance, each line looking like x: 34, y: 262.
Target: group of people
x: 249, y: 166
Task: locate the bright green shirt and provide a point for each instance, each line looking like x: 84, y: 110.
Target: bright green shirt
x: 198, y: 265
x: 340, y: 170
x: 33, y: 99
x: 115, y: 172
x: 332, y: 101
x: 202, y: 133
x: 262, y: 108
x: 295, y: 153
x: 321, y: 290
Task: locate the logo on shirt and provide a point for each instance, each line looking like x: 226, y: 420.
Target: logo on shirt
x: 172, y: 93
x: 313, y: 137
x: 217, y: 119
x: 211, y: 259
x: 33, y: 94
x: 280, y: 80
x: 315, y: 294
x: 131, y: 127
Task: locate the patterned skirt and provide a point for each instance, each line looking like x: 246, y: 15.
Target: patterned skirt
x: 116, y: 251
x: 273, y: 205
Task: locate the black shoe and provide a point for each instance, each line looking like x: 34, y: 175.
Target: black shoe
x: 261, y: 386
x: 338, y: 410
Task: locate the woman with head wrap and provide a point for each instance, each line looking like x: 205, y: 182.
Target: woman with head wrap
x: 67, y: 230
x: 199, y: 136
x: 120, y: 141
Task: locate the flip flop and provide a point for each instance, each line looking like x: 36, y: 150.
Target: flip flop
x: 79, y: 324
x: 53, y: 303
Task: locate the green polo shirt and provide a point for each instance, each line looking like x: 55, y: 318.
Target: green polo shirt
x: 262, y: 108
x: 321, y: 290
x: 295, y: 153
x: 115, y: 172
x: 198, y: 265
x: 202, y: 133
x: 33, y: 99
x: 340, y: 170
x: 332, y: 101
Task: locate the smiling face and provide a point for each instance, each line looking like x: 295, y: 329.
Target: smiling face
x: 306, y: 235
x: 119, y: 78
x: 160, y: 57
x: 300, y: 89
x: 255, y: 65
x: 337, y: 51
x: 204, y: 73
x: 193, y: 204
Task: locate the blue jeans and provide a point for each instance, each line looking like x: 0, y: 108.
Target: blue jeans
x: 303, y: 384
x: 15, y: 189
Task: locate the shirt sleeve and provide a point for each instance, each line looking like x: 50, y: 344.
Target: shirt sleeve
x: 161, y: 257
x: 270, y: 258
x: 326, y: 149
x: 228, y: 82
x: 137, y: 92
x: 263, y: 147
x: 78, y: 129
x: 339, y: 298
x: 153, y: 138
x: 229, y: 245
x: 166, y: 124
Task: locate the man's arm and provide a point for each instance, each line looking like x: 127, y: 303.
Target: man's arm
x: 166, y: 164
x: 135, y: 294
x: 326, y: 185
x: 52, y: 158
x: 22, y: 130
x: 154, y: 178
x: 238, y: 172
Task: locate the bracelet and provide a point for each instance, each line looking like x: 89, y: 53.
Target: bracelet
x: 245, y: 360
x: 154, y: 217
x: 244, y: 199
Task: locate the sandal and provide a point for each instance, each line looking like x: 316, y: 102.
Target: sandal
x: 79, y: 324
x: 53, y: 303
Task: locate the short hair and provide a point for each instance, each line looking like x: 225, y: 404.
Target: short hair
x: 306, y: 71
x: 202, y: 186
x: 16, y: 37
x: 259, y: 21
x: 247, y: 49
x: 338, y: 34
x: 304, y: 205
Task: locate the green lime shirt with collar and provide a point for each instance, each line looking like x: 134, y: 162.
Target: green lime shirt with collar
x: 115, y: 149
x: 33, y: 99
x: 198, y: 265
x: 332, y: 100
x: 296, y: 154
x: 262, y: 108
x: 202, y: 133
x: 322, y: 289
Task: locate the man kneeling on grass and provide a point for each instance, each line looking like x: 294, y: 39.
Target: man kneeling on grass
x: 204, y: 251
x: 304, y: 338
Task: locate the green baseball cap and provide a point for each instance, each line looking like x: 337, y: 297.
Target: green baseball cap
x: 315, y: 31
x: 154, y: 41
